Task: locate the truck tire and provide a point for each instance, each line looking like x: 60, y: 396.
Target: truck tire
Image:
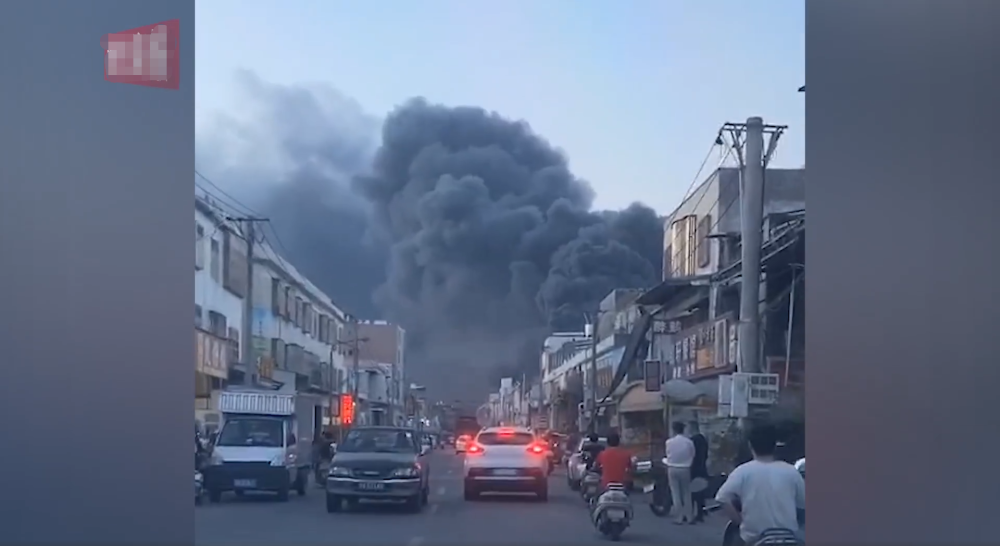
x: 283, y: 494
x: 302, y: 482
x: 214, y: 496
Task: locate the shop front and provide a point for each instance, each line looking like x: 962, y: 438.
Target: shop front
x: 640, y: 416
x: 211, y: 372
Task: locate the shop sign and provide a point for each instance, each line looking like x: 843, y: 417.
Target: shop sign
x: 211, y: 355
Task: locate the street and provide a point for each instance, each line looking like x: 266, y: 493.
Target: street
x: 448, y: 519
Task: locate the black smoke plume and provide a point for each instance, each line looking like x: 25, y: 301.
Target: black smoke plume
x: 464, y: 227
x: 493, y: 241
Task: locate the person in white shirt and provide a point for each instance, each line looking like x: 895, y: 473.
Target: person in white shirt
x: 770, y: 492
x: 680, y: 454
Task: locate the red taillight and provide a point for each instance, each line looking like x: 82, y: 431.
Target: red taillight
x: 536, y: 449
x: 473, y: 449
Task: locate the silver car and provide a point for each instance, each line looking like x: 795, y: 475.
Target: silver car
x: 575, y: 467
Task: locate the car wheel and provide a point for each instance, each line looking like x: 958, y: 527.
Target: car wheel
x: 415, y: 503
x: 469, y: 493
x: 333, y: 504
x: 543, y: 492
x: 214, y: 496
x: 425, y: 495
x: 283, y: 494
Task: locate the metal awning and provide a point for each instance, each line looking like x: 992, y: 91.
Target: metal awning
x: 638, y: 399
x: 673, y: 289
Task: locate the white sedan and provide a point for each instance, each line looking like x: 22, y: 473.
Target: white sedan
x: 506, y: 460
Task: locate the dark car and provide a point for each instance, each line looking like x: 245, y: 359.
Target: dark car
x: 384, y: 463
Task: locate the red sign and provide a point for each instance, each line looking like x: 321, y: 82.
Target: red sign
x: 147, y: 55
x: 346, y: 409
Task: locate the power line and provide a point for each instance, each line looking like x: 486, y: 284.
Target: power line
x: 719, y: 217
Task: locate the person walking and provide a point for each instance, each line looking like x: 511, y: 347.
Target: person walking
x: 680, y: 454
x: 699, y: 469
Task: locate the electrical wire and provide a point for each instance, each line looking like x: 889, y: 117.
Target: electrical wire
x: 719, y: 217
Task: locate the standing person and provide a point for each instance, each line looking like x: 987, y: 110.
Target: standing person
x: 699, y: 468
x: 680, y: 455
x: 765, y: 493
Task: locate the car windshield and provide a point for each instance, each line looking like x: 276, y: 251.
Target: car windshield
x: 251, y: 432
x: 378, y: 441
x: 603, y: 442
x: 505, y: 438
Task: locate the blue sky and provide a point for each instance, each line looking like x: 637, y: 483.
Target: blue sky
x: 633, y: 91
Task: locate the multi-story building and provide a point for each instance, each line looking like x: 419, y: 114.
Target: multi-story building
x: 219, y: 290
x: 297, y: 328
x: 384, y: 344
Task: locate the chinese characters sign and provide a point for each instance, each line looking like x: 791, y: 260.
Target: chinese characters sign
x: 211, y: 355
x: 147, y: 55
x: 347, y: 409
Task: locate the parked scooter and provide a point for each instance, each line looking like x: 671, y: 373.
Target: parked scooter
x: 612, y: 511
x: 199, y: 488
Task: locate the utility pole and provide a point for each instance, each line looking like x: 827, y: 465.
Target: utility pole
x: 748, y: 143
x: 593, y: 372
x: 248, y: 232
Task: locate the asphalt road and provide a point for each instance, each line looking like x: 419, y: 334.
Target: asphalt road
x: 447, y: 520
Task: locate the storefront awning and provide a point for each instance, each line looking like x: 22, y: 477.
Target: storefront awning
x: 638, y: 399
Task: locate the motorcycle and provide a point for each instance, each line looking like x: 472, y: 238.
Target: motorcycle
x: 611, y: 513
x: 590, y: 487
x: 770, y: 537
x: 199, y: 488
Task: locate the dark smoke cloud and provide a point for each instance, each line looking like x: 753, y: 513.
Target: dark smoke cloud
x: 493, y: 241
x: 289, y: 153
x: 465, y: 227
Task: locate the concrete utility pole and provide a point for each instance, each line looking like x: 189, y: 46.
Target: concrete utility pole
x: 248, y: 232
x: 593, y: 372
x: 748, y: 140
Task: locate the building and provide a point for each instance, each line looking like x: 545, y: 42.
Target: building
x: 297, y: 328
x: 219, y: 291
x: 694, y: 328
x: 375, y: 394
x: 702, y: 234
x: 385, y: 343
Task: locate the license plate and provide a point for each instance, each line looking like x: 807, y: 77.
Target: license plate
x: 616, y: 515
x: 648, y: 488
x: 245, y: 484
x: 505, y: 472
x: 371, y: 486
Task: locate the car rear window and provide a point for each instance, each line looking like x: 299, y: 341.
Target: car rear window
x: 512, y: 439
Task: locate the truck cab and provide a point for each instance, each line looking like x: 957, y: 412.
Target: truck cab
x: 258, y: 447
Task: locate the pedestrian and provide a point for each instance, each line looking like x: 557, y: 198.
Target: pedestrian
x: 699, y: 469
x: 680, y: 455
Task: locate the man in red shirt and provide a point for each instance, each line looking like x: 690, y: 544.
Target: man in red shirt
x: 615, y: 462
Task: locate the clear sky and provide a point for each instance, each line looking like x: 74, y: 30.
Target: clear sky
x: 633, y: 91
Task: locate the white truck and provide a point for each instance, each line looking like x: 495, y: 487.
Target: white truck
x: 260, y: 445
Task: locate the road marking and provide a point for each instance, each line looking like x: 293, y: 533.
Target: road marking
x: 415, y: 541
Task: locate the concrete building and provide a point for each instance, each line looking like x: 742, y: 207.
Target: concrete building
x: 296, y: 328
x: 375, y: 394
x: 219, y: 289
x: 702, y: 234
x: 385, y: 343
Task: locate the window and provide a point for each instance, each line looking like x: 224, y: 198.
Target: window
x: 704, y: 245
x: 324, y: 323
x: 300, y: 312
x: 683, y: 241
x: 234, y: 345
x: 505, y: 439
x: 216, y: 265
x: 287, y: 303
x: 307, y: 320
x: 199, y: 246
x: 217, y: 324
x: 276, y: 294
x: 197, y: 316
